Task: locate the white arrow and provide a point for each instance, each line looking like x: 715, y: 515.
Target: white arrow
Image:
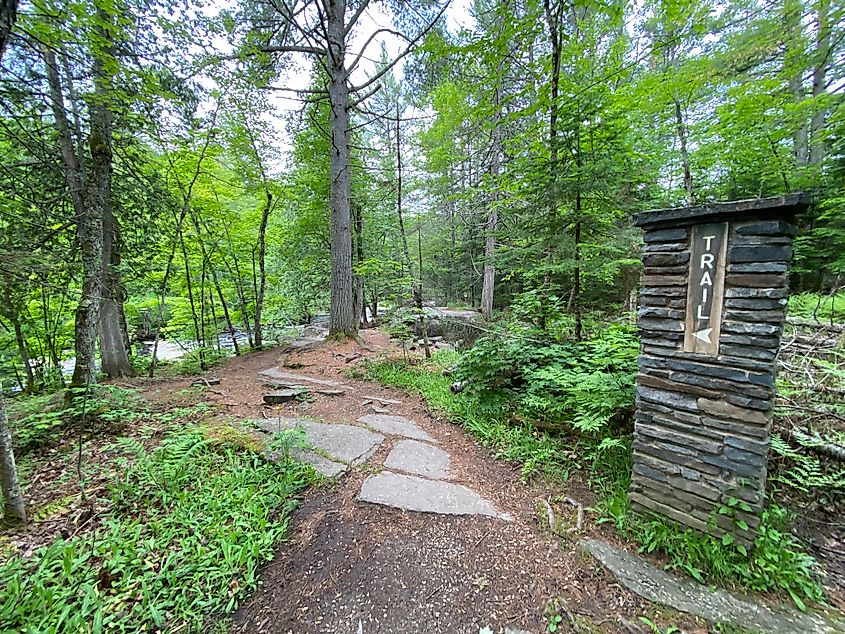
x: 703, y: 335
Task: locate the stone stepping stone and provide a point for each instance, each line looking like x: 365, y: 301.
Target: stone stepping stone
x: 425, y: 496
x: 395, y: 426
x: 340, y: 443
x: 313, y: 389
x: 419, y: 458
x: 294, y: 379
x: 322, y: 465
x: 282, y: 396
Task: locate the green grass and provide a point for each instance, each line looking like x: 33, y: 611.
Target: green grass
x: 189, y: 525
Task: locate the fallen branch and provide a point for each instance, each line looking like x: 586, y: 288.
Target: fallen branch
x: 815, y: 443
x: 811, y: 410
x: 795, y: 321
x: 580, y: 521
x: 551, y: 515
x: 205, y: 382
x: 458, y: 386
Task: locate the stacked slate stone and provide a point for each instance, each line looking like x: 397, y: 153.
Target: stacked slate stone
x: 703, y: 421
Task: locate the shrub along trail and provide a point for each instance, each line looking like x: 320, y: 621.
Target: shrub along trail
x: 353, y: 566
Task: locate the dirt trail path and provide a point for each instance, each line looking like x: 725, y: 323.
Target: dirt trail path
x: 355, y: 567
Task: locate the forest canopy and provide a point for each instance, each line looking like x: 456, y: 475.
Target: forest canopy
x: 179, y: 171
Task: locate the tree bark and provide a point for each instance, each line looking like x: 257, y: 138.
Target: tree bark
x: 113, y: 355
x: 226, y: 314
x: 262, y: 275
x: 416, y: 287
x: 342, y: 318
x: 576, y: 287
x: 489, y: 282
x: 24, y: 353
x: 422, y: 312
x: 235, y: 273
x: 113, y: 349
x: 8, y: 15
x: 794, y: 64
x: 14, y: 511
x: 681, y: 130
x: 553, y: 21
x: 360, y: 302
x: 89, y: 224
x: 197, y: 329
x: 822, y: 56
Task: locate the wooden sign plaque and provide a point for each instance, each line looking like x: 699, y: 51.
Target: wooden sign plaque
x: 706, y: 287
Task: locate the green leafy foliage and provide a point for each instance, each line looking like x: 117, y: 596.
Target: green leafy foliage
x: 814, y: 306
x: 778, y: 561
x: 802, y: 470
x: 41, y: 420
x: 190, y: 523
x: 583, y: 385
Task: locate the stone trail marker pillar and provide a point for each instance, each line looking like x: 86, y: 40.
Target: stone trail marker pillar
x: 712, y: 307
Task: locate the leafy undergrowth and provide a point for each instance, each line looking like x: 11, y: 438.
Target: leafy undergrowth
x: 40, y: 420
x: 189, y: 524
x: 486, y: 418
x: 777, y: 563
x: 512, y: 395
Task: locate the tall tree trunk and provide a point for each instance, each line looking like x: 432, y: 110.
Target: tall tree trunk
x: 88, y: 212
x: 488, y: 285
x: 235, y: 273
x: 576, y: 287
x: 192, y: 303
x: 821, y: 62
x: 423, y: 325
x: 113, y: 348
x: 214, y: 324
x: 553, y: 21
x: 226, y: 314
x: 681, y: 130
x: 24, y: 353
x: 374, y: 302
x: 262, y: 275
x: 113, y: 355
x: 360, y: 302
x: 14, y: 511
x: 8, y: 15
x: 416, y: 287
x: 794, y: 65
x: 342, y: 317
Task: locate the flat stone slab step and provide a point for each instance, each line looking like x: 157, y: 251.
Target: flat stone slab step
x: 420, y: 459
x: 340, y: 443
x: 395, y: 426
x: 716, y: 606
x: 298, y: 379
x: 322, y: 465
x: 282, y: 396
x: 313, y: 389
x: 426, y: 496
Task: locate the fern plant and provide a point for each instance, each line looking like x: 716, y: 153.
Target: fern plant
x: 804, y: 471
x: 582, y: 385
